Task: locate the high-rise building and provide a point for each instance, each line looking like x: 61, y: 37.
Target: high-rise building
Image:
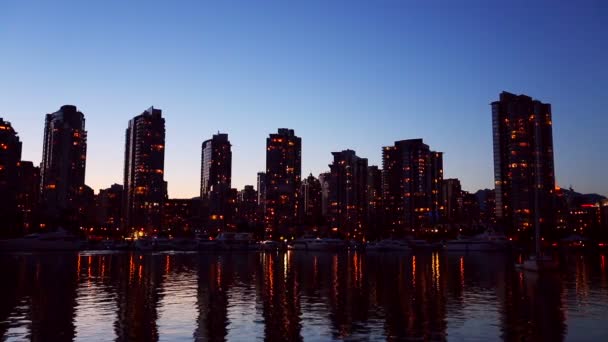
x: 311, y: 195
x: 144, y: 185
x: 348, y: 194
x: 374, y: 202
x: 523, y: 162
x: 412, y: 178
x: 324, y: 179
x: 216, y: 164
x: 261, y: 190
x: 63, y: 165
x: 283, y: 176
x: 10, y: 155
x: 216, y: 176
x: 28, y: 196
x: 451, y: 200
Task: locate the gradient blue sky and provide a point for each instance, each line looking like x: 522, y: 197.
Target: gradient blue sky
x: 343, y: 74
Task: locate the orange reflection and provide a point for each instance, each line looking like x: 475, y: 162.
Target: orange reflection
x: 167, y: 264
x: 462, y: 272
x: 413, y: 271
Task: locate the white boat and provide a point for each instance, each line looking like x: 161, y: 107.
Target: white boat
x: 424, y: 245
x: 539, y: 264
x: 271, y: 245
x: 318, y: 244
x: 59, y: 240
x: 233, y: 241
x: 486, y: 242
x: 388, y: 245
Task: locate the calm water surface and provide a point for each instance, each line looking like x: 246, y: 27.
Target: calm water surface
x: 98, y: 296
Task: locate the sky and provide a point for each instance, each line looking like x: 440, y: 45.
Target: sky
x: 344, y: 74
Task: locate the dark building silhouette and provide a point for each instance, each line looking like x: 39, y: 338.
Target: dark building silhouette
x: 109, y: 208
x: 374, y: 201
x: 144, y: 184
x: 261, y: 188
x: 10, y: 155
x: 311, y: 195
x: 63, y: 165
x: 324, y: 179
x: 451, y: 200
x: 247, y: 205
x: 283, y: 176
x: 216, y: 175
x: 523, y: 162
x: 412, y: 178
x: 348, y: 194
x: 28, y: 196
x: 181, y: 216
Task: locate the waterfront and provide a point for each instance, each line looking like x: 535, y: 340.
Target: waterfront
x: 105, y: 296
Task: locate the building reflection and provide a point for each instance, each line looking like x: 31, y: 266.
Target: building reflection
x: 137, y: 296
x: 290, y: 296
x: 278, y: 291
x: 214, y: 277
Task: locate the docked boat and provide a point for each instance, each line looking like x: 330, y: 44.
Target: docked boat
x: 486, y: 242
x: 144, y: 244
x: 318, y: 244
x: 205, y: 243
x: 232, y: 241
x: 59, y: 240
x: 114, y: 245
x: 423, y: 245
x: 388, y: 245
x: 184, y: 244
x: 271, y: 245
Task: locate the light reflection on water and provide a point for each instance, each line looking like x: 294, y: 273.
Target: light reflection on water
x: 102, y: 296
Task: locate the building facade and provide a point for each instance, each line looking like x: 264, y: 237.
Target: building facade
x: 523, y: 163
x: 348, y: 200
x: 63, y: 165
x: 145, y: 189
x: 10, y: 156
x: 283, y: 177
x: 216, y: 164
x: 411, y: 185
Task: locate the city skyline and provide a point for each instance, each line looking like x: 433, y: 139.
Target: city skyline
x: 368, y: 88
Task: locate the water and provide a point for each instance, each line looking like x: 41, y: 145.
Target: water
x: 98, y: 296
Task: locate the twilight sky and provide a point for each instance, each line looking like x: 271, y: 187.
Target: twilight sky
x: 343, y: 74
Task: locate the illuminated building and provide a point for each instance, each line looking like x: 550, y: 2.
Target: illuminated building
x: 216, y: 175
x: 144, y: 184
x: 523, y: 162
x: 348, y: 194
x: 412, y: 178
x: 109, y: 207
x: 216, y: 164
x: 63, y: 164
x: 283, y: 176
x: 10, y: 155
